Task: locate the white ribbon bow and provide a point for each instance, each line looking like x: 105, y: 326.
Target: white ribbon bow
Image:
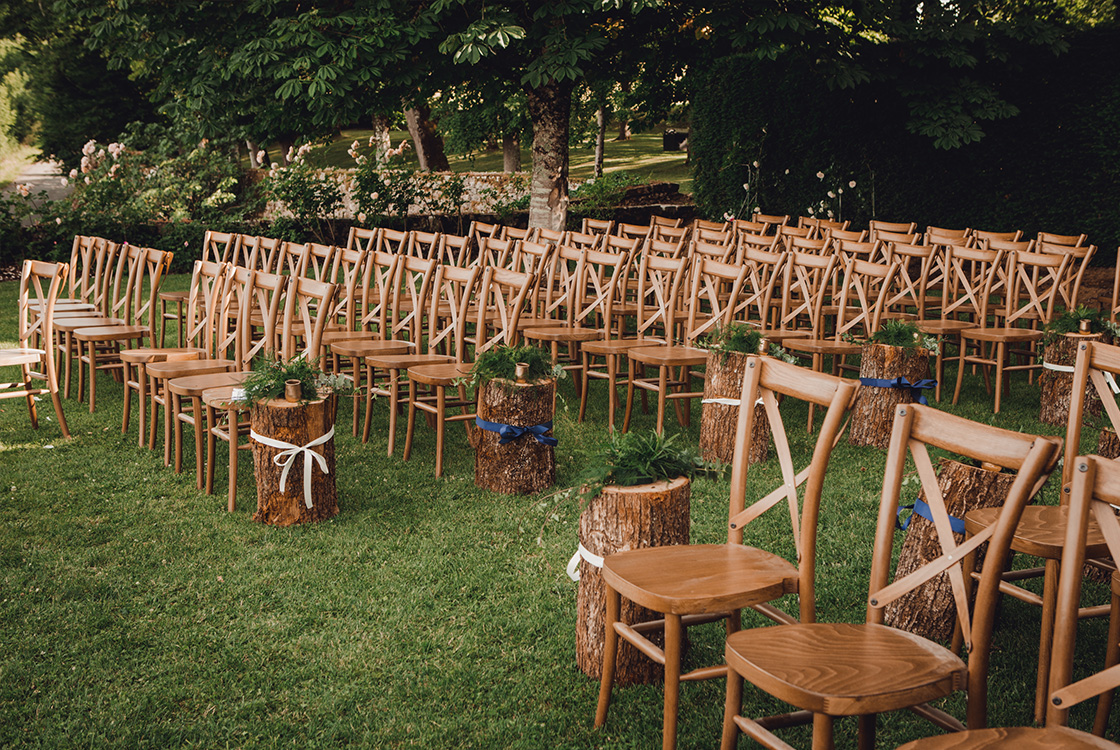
x: 573, y: 564
x: 1056, y: 368
x: 287, y: 457
x: 725, y: 401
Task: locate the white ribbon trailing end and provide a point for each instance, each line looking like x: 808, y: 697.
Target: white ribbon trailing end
x: 1108, y: 378
x: 725, y: 401
x: 573, y: 564
x: 287, y: 457
x: 1056, y: 368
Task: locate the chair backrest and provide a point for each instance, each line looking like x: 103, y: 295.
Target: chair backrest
x: 495, y: 252
x: 620, y: 244
x: 1034, y: 283
x: 1094, y: 371
x: 970, y: 275
x: 394, y: 241
x: 806, y: 280
x: 1030, y: 457
x: 255, y: 253
x: 631, y: 231
x: 411, y: 292
x: 39, y: 286
x: 455, y: 250
x: 892, y: 226
x: 722, y: 251
x: 771, y: 381
x: 1068, y: 240
x: 660, y: 281
x: 560, y: 281
x: 306, y: 315
x: 1080, y: 257
x: 772, y: 221
x: 918, y: 270
x: 664, y: 248
x: 596, y: 226
x: 501, y: 298
x: 82, y: 280
x: 981, y: 235
x: 258, y: 299
x: 763, y: 278
x: 582, y: 240
x: 909, y: 238
x: 788, y: 230
x: 1094, y: 496
x: 717, y: 226
x: 852, y: 235
x: 290, y: 259
x: 941, y: 234
x: 549, y: 236
x: 664, y: 221
x: 821, y: 225
x: 517, y: 233
x: 204, y: 302
x: 713, y: 296
x: 869, y: 251
x: 604, y: 279
x: 452, y: 290
x: 863, y: 294
x: 662, y: 233
x: 220, y: 247
x: 478, y: 229
x: 378, y: 290
x: 361, y: 238
x: 533, y: 258
x: 719, y: 237
x: 425, y: 244
x: 319, y: 264
x: 807, y: 245
x: 347, y: 272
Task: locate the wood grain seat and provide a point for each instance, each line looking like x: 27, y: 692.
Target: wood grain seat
x: 403, y: 361
x: 699, y: 578
x: 1016, y: 335
x: 1041, y: 531
x: 193, y: 386
x: 171, y: 369
x: 14, y: 357
x: 443, y: 374
x: 331, y: 337
x: 563, y: 334
x: 111, y: 333
x: 367, y: 347
x: 669, y: 356
x: 69, y: 325
x: 823, y: 346
x: 146, y: 354
x: 1013, y: 738
x: 603, y: 347
x: 842, y: 669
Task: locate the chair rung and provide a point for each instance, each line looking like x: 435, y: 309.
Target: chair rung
x: 938, y: 717
x: 717, y: 672
x: 1020, y: 593
x: 635, y: 639
x: 690, y: 620
x: 775, y: 614
x: 1101, y: 610
x: 1019, y: 575
x: 759, y: 734
x: 780, y: 721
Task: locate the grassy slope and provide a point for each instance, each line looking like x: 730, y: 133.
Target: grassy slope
x: 14, y: 162
x: 136, y: 612
x: 641, y: 154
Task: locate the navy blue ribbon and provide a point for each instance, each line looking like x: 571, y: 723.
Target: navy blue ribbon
x: 915, y: 388
x: 920, y: 508
x: 509, y: 433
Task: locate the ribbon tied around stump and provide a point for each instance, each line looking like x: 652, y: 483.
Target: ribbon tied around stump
x: 509, y: 433
x: 901, y: 382
x: 289, y: 453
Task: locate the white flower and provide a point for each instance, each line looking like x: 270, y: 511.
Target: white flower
x: 291, y: 152
x: 360, y: 160
x: 755, y: 163
x: 90, y: 148
x: 811, y: 211
x: 758, y: 209
x: 87, y: 179
x: 373, y: 196
x: 820, y: 175
x: 355, y: 145
x: 372, y: 138
x: 361, y: 218
x: 746, y: 186
x: 728, y: 216
x: 787, y: 171
x: 830, y: 214
x: 58, y: 220
x: 262, y: 156
x: 64, y: 182
x: 840, y: 191
x: 831, y: 194
x: 73, y: 174
x: 852, y: 184
x: 23, y: 190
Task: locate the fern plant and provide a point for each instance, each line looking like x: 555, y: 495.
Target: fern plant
x: 641, y: 458
x: 500, y: 363
x: 271, y: 373
x: 1070, y: 322
x: 902, y: 333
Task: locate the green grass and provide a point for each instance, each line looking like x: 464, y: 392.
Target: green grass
x: 641, y: 155
x: 12, y: 163
x: 136, y: 612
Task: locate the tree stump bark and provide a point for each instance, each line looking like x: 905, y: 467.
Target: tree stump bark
x: 930, y: 610
x: 1057, y: 386
x: 723, y: 378
x: 524, y: 465
x: 297, y: 424
x: 1109, y: 444
x: 873, y: 412
x: 618, y: 519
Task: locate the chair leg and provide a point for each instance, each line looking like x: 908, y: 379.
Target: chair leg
x: 441, y: 423
x: 356, y: 364
x: 960, y: 371
x: 81, y: 372
x: 92, y: 375
x: 173, y: 415
x: 612, y: 394
x: 1111, y: 658
x: 199, y: 456
x: 1001, y: 352
x: 411, y: 425
x: 629, y: 396
x: 57, y: 401
x: 126, y: 408
x: 1045, y: 647
x: 142, y: 402
x: 866, y: 733
x: 394, y: 399
x: 586, y: 365
x: 211, y: 446
x: 662, y: 386
x: 369, y: 405
x: 823, y: 726
x: 610, y: 653
x: 732, y: 707
x: 672, y: 680
x: 234, y: 439
x: 28, y: 386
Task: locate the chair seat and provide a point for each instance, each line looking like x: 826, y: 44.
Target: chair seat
x: 330, y: 337
x: 111, y: 333
x: 1041, y: 531
x: 221, y: 397
x: 1002, y: 334
x: 526, y: 322
x: 69, y: 325
x: 942, y: 327
x: 778, y: 335
x: 397, y: 361
x: 615, y: 346
x: 699, y: 578
x: 669, y: 356
x: 167, y: 370
x: 195, y: 385
x: 444, y: 374
x: 365, y: 347
x: 563, y: 333
x: 844, y: 669
x: 179, y: 295
x: 1013, y: 738
x: 13, y: 357
x: 823, y: 346
x: 145, y: 354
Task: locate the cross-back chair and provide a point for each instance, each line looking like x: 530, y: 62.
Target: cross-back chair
x: 395, y: 241
x: 983, y: 235
x: 86, y: 270
x: 583, y: 240
x: 631, y: 231
x: 1066, y: 240
x: 828, y: 671
x: 493, y: 252
x: 362, y: 238
x: 662, y: 233
x: 1095, y: 493
x: 918, y: 271
x: 39, y: 286
x: 664, y: 248
x: 319, y: 264
x: 906, y: 227
x: 851, y: 235
x: 289, y: 259
x: 455, y: 250
x: 111, y: 301
x: 596, y: 226
x: 699, y: 583
x: 1080, y: 257
x: 772, y: 221
x: 425, y: 244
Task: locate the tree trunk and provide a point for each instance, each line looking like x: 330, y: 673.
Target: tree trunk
x: 511, y: 152
x: 619, y: 519
x: 723, y: 378
x: 600, y: 139
x: 1109, y: 445
x: 873, y: 412
x: 254, y: 163
x: 297, y: 424
x: 622, y: 112
x: 524, y: 465
x: 550, y: 107
x: 929, y: 610
x: 1057, y: 386
x: 426, y: 139
x: 381, y: 140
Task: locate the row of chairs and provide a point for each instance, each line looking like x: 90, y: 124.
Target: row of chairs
x: 829, y: 671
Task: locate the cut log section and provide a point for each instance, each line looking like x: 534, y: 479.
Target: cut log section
x: 523, y: 465
x: 1056, y: 381
x: 298, y: 425
x: 929, y: 610
x: 873, y: 411
x: 723, y: 379
x: 619, y: 519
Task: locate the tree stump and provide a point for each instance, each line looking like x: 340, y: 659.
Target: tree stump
x: 723, y: 378
x: 1057, y: 386
x: 297, y: 424
x: 873, y: 411
x: 930, y: 610
x: 619, y: 519
x: 524, y: 465
x: 1109, y: 444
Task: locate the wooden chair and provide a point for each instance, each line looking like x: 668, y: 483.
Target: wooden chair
x: 394, y: 241
x: 918, y: 271
x: 455, y: 250
x: 87, y: 258
x: 631, y: 231
x: 596, y: 226
x: 656, y: 220
x: 1041, y: 531
x: 941, y: 234
x: 714, y: 294
x: 582, y: 240
x: 98, y: 347
x: 891, y: 226
x: 980, y: 236
x: 656, y: 302
x: 39, y: 286
x: 289, y: 259
x: 256, y: 253
x: 820, y: 226
x: 771, y: 221
x: 828, y: 671
x: 501, y: 297
x: 1066, y: 240
x: 1034, y: 281
x: 425, y: 244
x: 663, y: 233
x: 851, y: 235
x: 740, y: 226
x: 478, y: 229
x: 518, y: 234
x: 361, y: 238
x: 664, y: 248
x: 1080, y: 257
x: 908, y: 238
x: 320, y: 263
x: 699, y: 583
x: 1095, y: 491
x: 717, y: 226
x: 217, y: 247
x: 495, y: 253
x: 764, y: 277
x: 440, y: 300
